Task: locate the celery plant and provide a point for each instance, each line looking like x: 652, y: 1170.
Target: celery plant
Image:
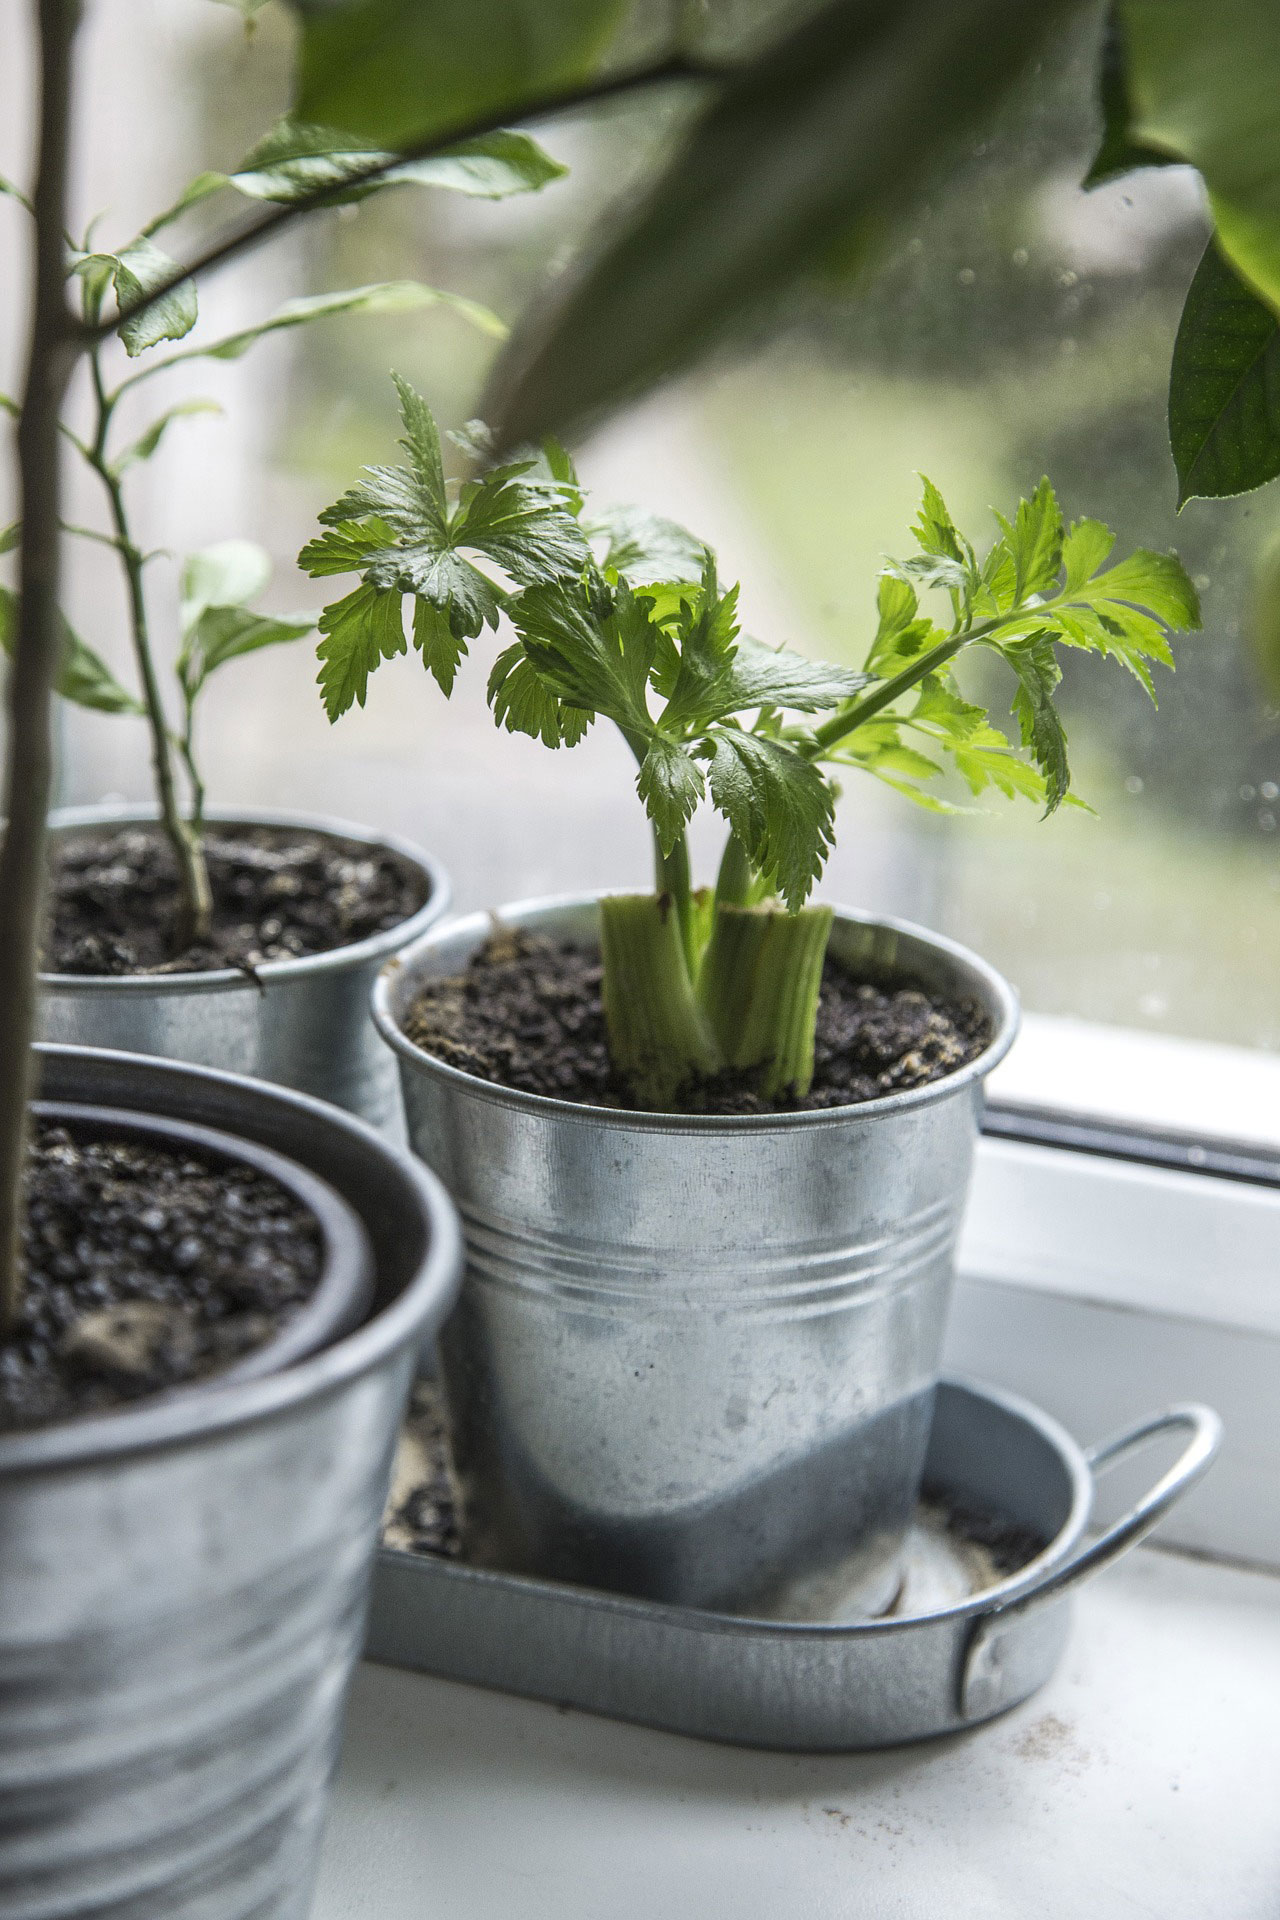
x: 624, y: 618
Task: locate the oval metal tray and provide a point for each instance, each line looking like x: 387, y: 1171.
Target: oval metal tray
x: 806, y: 1685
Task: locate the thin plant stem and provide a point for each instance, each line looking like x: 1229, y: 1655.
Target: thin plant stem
x: 196, y: 902
x: 38, y: 642
x: 542, y: 107
x: 850, y: 718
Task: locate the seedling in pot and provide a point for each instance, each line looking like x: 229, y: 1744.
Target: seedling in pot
x: 624, y: 618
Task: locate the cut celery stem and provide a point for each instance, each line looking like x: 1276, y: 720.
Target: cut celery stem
x: 658, y: 1036
x: 759, y: 989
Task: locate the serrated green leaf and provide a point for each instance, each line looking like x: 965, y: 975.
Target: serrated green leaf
x: 1087, y: 545
x: 901, y: 633
x: 593, y: 659
x: 394, y: 70
x: 522, y: 703
x: 1224, y: 387
x: 440, y: 647
x: 776, y: 677
x: 226, y: 574
x: 1156, y: 582
x: 670, y: 785
x: 779, y: 805
x: 358, y: 634
x: 934, y: 529
x: 827, y: 130
x: 1036, y: 665
x: 145, y: 445
x: 83, y: 677
x: 345, y: 548
x: 135, y: 272
x: 421, y: 442
x: 647, y: 549
x: 295, y: 160
x: 1034, y: 542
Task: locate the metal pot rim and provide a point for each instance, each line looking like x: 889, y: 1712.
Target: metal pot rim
x: 231, y: 979
x: 203, y: 1410
x: 1005, y: 1013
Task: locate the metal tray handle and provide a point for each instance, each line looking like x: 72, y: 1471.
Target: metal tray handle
x: 989, y: 1677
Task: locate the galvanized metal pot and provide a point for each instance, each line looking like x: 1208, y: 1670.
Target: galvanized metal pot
x: 695, y: 1357
x: 183, y: 1584
x: 303, y: 1023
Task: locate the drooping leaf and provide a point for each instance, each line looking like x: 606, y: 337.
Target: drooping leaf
x: 145, y: 445
x: 227, y: 574
x: 670, y: 785
x: 1118, y: 151
x: 522, y: 703
x: 1202, y: 88
x: 295, y: 159
x: 83, y: 678
x: 1224, y: 387
x: 358, y: 634
x: 779, y: 805
x: 1043, y: 734
x: 646, y: 548
x: 387, y: 296
x: 827, y: 131
x: 135, y: 272
x: 395, y: 70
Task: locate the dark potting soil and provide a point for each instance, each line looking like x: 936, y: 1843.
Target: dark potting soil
x: 146, y: 1267
x: 527, y: 1014
x: 278, y: 893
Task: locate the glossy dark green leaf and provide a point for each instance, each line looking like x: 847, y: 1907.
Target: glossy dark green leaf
x: 1118, y: 151
x: 397, y: 70
x: 1224, y: 387
x: 828, y: 132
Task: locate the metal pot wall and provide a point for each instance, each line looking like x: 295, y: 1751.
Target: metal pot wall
x: 303, y: 1023
x: 695, y: 1357
x: 183, y: 1583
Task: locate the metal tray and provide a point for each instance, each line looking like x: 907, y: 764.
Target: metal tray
x: 936, y: 1664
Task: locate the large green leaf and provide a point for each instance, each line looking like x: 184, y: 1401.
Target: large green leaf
x: 1224, y: 387
x: 826, y: 134
x: 83, y: 677
x: 398, y: 70
x: 1203, y: 83
x: 295, y: 159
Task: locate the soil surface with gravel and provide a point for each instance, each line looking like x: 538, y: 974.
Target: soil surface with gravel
x: 278, y: 893
x: 145, y: 1267
x: 527, y: 1014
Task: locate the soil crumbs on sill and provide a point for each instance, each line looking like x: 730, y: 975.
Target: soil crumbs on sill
x: 278, y: 893
x: 146, y: 1267
x: 527, y: 1014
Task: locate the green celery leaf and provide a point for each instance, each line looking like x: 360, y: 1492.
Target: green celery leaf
x: 777, y: 677
x: 345, y: 548
x: 670, y: 785
x: 440, y: 647
x: 1087, y: 545
x: 1034, y: 542
x: 359, y: 633
x: 1155, y: 582
x: 523, y: 704
x: 779, y: 805
x: 599, y: 661
x: 901, y: 634
x: 394, y: 71
x: 83, y: 677
x: 295, y: 160
x: 646, y: 548
x: 1036, y: 665
x: 1224, y: 387
x: 935, y: 531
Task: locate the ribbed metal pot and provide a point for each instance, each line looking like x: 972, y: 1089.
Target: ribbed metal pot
x: 183, y: 1583
x: 303, y: 1023
x: 694, y: 1357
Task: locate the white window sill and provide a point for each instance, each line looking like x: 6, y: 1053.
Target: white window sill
x: 1142, y: 1780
